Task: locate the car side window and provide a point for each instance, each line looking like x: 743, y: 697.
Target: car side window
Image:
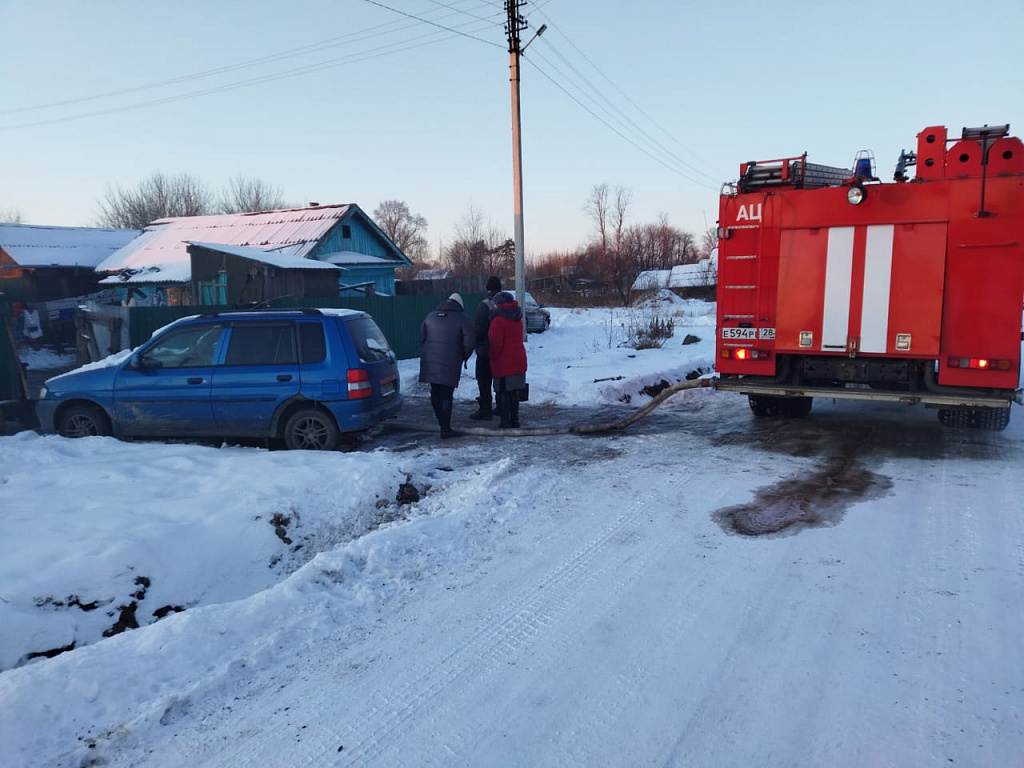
x: 191, y: 346
x: 312, y: 345
x: 262, y: 344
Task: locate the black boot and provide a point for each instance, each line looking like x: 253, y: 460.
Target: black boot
x: 483, y: 411
x: 513, y: 409
x: 504, y: 410
x: 446, y: 420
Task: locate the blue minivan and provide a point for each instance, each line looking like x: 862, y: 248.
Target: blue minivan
x: 307, y: 376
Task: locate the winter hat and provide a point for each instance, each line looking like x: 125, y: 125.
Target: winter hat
x: 504, y: 298
x: 457, y: 299
x: 493, y: 283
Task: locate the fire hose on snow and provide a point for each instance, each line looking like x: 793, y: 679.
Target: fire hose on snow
x: 582, y: 429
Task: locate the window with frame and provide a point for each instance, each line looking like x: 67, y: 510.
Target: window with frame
x: 312, y: 344
x: 262, y: 344
x: 194, y: 345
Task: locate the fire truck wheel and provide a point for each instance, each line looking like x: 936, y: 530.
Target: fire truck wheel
x: 769, y: 406
x: 797, y: 407
x: 992, y: 419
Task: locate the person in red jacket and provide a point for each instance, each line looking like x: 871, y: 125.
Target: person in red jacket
x: 508, y: 357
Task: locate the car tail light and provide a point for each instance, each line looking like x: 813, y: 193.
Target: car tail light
x: 359, y: 384
x: 980, y: 363
x: 743, y: 353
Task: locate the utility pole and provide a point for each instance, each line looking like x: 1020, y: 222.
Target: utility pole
x: 513, y: 26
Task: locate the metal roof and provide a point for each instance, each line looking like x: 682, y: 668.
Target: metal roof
x: 36, y: 246
x: 274, y: 258
x: 164, y: 243
x: 354, y: 258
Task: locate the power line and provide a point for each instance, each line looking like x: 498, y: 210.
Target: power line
x: 431, y: 23
x: 387, y: 49
x: 629, y: 100
x: 627, y: 123
x: 612, y: 127
x: 377, y: 30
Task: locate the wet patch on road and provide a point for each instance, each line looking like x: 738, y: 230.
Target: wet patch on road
x: 796, y: 503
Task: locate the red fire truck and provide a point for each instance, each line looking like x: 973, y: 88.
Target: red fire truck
x: 832, y: 283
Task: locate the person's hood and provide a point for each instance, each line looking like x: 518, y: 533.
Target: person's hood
x: 449, y: 305
x: 510, y: 311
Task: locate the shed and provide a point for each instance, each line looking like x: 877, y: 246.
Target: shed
x: 237, y: 274
x: 40, y: 263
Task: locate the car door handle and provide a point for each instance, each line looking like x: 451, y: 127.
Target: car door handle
x: 284, y: 377
x: 194, y: 380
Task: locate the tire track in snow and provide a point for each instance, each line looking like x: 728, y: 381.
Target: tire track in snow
x: 373, y: 735
x: 505, y: 635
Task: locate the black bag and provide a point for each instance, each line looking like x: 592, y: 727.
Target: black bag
x: 524, y: 393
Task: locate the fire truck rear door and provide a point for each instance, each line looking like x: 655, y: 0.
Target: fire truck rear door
x: 860, y: 290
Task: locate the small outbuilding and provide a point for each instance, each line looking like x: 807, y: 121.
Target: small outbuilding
x: 39, y: 263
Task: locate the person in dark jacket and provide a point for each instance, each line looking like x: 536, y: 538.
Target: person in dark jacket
x: 508, y: 357
x: 446, y: 342
x: 481, y: 322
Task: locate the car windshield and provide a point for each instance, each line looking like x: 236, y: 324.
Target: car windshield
x: 529, y: 301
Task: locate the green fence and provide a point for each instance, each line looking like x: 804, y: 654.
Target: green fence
x: 399, y: 317
x: 10, y: 364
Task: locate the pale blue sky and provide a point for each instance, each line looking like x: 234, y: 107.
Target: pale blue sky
x: 402, y: 109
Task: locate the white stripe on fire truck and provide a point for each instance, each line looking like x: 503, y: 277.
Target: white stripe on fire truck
x: 874, y: 320
x: 838, y: 279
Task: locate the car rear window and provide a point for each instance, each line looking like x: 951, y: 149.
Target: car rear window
x: 369, y: 341
x: 312, y: 346
x: 262, y: 344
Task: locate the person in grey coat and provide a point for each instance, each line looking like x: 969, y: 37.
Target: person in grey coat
x: 446, y: 342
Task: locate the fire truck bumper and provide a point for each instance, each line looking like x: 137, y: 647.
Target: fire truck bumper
x: 861, y: 392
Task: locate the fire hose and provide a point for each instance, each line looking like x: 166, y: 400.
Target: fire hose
x: 582, y: 429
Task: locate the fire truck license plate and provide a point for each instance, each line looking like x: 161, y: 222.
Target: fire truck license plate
x: 748, y: 333
x: 739, y: 333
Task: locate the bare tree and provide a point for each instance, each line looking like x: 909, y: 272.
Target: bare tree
x: 708, y: 242
x: 478, y: 249
x: 11, y: 216
x: 243, y: 195
x: 406, y: 229
x: 596, y: 207
x: 157, y: 197
x: 623, y: 197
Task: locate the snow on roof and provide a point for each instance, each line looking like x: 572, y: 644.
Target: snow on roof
x: 653, y: 278
x: 274, y: 258
x: 36, y: 246
x: 352, y: 258
x: 292, y: 232
x: 153, y: 274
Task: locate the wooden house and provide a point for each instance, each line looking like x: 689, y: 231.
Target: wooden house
x: 343, y: 236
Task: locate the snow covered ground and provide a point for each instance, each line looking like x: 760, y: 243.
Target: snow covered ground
x: 559, y: 601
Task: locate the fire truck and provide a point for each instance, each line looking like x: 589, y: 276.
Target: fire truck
x: 833, y: 283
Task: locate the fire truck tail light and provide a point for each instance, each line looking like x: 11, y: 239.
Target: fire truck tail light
x: 746, y: 354
x: 980, y: 363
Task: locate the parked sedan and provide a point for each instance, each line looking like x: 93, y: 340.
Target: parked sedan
x: 538, y: 319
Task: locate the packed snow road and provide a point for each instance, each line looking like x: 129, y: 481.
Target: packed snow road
x: 700, y: 590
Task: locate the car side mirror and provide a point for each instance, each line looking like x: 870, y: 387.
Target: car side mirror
x: 143, y: 362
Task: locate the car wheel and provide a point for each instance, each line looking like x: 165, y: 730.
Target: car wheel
x: 311, y: 430
x: 83, y: 421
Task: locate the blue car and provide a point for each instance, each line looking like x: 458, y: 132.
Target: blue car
x: 306, y: 376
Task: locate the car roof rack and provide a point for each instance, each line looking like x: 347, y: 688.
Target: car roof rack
x: 250, y: 310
